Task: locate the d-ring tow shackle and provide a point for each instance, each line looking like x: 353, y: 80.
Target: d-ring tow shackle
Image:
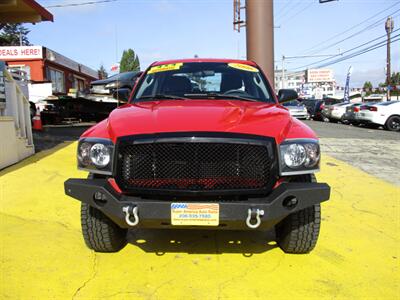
x: 256, y: 213
x: 131, y: 212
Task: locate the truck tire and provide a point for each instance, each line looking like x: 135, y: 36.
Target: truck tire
x: 99, y: 232
x: 298, y: 232
x: 393, y: 123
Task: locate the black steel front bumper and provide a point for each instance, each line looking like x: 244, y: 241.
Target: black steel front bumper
x: 232, y: 214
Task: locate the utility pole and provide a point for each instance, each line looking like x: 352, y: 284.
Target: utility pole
x: 259, y: 31
x: 260, y: 35
x: 389, y: 25
x: 283, y: 72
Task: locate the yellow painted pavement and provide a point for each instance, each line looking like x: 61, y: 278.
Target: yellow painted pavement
x: 43, y: 255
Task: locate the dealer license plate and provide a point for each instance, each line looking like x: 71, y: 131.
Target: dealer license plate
x: 197, y: 214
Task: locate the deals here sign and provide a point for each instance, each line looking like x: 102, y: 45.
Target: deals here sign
x: 21, y: 52
x: 320, y: 75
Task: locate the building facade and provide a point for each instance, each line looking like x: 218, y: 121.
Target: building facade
x: 42, y: 65
x: 292, y: 80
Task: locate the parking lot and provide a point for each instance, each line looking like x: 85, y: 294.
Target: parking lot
x: 357, y: 255
x: 374, y: 151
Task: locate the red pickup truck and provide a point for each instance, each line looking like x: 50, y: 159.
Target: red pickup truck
x: 202, y: 143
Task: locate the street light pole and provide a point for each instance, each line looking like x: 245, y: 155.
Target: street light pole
x: 389, y: 25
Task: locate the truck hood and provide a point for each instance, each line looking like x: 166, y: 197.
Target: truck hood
x: 265, y: 119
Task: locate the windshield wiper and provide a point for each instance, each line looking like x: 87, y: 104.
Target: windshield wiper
x: 162, y: 96
x: 221, y: 96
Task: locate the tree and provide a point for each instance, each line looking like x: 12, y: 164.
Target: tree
x: 102, y: 72
x: 395, y: 81
x: 395, y: 78
x: 10, y: 35
x: 367, y: 87
x: 129, y: 61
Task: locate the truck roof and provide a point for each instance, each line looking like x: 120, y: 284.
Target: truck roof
x: 190, y: 60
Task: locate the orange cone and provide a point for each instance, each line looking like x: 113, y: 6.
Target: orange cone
x: 37, y: 122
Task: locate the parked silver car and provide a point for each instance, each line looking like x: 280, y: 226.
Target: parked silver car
x: 297, y: 109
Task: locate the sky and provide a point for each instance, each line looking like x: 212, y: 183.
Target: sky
x: 167, y: 29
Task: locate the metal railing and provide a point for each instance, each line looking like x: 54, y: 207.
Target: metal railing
x: 2, y: 93
x: 13, y: 103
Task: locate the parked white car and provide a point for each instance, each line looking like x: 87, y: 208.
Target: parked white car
x: 337, y: 111
x: 386, y: 114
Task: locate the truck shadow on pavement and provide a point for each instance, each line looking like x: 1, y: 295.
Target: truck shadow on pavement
x: 161, y: 241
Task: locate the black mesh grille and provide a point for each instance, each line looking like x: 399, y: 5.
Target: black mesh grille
x: 193, y: 166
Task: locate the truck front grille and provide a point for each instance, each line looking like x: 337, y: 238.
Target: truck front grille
x: 194, y: 166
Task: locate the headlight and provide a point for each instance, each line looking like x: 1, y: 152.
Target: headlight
x: 299, y: 157
x: 84, y: 153
x: 95, y: 155
x: 100, y: 155
x: 112, y: 85
x: 294, y: 156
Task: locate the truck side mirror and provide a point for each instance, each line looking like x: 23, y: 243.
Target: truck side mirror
x: 122, y: 94
x: 285, y: 95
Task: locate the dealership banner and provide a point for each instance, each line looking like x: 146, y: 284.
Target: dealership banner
x: 21, y: 52
x: 347, y: 87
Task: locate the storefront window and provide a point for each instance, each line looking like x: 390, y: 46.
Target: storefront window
x: 78, y: 84
x: 57, y: 80
x: 22, y: 72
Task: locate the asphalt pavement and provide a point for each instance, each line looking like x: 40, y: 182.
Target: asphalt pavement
x: 342, y: 131
x: 51, y: 136
x: 375, y: 151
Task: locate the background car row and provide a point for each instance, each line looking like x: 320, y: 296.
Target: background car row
x: 373, y: 114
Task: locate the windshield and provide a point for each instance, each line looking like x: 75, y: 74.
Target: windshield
x: 203, y: 80
x: 292, y: 103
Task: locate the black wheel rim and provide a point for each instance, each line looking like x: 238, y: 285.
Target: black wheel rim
x: 394, y: 124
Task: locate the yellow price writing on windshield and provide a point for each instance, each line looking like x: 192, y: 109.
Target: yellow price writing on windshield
x: 163, y: 68
x: 243, y: 67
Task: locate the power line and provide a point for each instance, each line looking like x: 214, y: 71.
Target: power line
x: 351, y: 28
x: 360, y: 52
x: 347, y: 51
x: 299, y: 12
x: 296, y: 4
x: 80, y: 4
x: 373, y: 25
x: 284, y: 7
